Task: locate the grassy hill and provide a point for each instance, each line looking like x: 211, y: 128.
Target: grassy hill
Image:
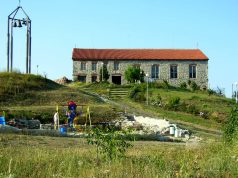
x: 23, y: 82
x: 180, y: 105
x: 34, y: 96
x: 30, y: 96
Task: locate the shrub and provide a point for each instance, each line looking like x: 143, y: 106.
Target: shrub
x: 211, y: 92
x: 173, y: 103
x: 165, y: 84
x: 231, y: 126
x: 194, y: 86
x: 189, y: 82
x: 136, y: 89
x: 140, y: 97
x: 192, y: 109
x: 110, y: 143
x: 183, y: 85
x: 156, y: 100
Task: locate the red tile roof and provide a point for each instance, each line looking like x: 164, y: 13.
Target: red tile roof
x: 138, y: 54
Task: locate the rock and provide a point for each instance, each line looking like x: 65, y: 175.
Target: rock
x: 63, y: 81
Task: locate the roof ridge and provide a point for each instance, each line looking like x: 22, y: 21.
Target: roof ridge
x: 137, y: 48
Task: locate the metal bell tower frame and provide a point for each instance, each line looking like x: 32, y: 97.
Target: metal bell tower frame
x: 14, y: 22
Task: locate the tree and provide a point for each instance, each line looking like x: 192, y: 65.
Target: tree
x: 104, y: 73
x: 133, y: 74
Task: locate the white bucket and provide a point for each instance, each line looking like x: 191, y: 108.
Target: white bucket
x: 178, y: 132
x: 171, y: 130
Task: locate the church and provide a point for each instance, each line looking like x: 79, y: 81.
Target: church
x: 173, y: 65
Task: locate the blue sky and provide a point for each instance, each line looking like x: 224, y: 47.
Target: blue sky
x: 59, y: 26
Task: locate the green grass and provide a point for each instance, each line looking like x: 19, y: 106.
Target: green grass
x: 40, y: 102
x: 13, y: 83
x: 37, y: 156
x: 41, y: 96
x: 217, y: 107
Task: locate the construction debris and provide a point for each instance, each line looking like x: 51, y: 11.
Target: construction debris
x: 153, y: 126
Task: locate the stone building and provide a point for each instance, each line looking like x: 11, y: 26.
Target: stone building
x: 174, y: 65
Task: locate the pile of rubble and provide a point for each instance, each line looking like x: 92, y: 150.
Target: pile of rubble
x: 63, y: 81
x: 160, y: 128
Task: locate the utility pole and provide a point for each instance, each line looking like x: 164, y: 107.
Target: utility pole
x: 102, y: 70
x: 147, y: 91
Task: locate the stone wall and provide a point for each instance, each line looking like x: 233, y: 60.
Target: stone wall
x: 164, y: 70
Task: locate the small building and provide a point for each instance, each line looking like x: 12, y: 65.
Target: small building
x: 173, y: 65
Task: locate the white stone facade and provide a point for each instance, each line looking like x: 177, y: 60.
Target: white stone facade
x: 164, y: 70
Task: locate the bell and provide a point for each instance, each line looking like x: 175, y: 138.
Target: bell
x: 19, y: 24
x: 24, y: 22
x: 15, y: 24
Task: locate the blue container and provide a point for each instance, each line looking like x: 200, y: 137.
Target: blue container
x: 2, y: 120
x: 63, y: 129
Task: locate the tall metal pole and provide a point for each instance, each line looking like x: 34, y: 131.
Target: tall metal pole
x: 236, y: 85
x: 102, y: 71
x: 30, y: 48
x: 11, y: 51
x: 8, y: 43
x: 232, y: 91
x: 27, y: 46
x: 147, y: 93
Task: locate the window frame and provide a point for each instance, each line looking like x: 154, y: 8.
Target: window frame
x: 116, y: 65
x: 173, y: 74
x: 192, y: 73
x: 83, y: 66
x: 155, y: 71
x: 94, y: 66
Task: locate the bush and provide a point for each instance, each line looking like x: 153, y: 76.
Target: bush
x: 156, y: 100
x: 173, y: 103
x: 183, y: 85
x: 211, y: 92
x: 194, y: 86
x: 136, y: 89
x: 192, y: 109
x: 140, y: 97
x: 231, y: 126
x: 165, y: 84
x: 110, y: 143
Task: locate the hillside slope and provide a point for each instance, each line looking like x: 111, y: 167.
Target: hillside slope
x: 31, y: 96
x: 202, y: 108
x: 14, y: 83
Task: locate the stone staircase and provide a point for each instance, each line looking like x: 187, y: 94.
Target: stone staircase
x: 118, y: 93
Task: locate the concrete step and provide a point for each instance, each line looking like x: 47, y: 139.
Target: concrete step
x: 118, y: 93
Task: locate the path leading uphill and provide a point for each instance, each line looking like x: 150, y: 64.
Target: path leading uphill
x: 145, y: 112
